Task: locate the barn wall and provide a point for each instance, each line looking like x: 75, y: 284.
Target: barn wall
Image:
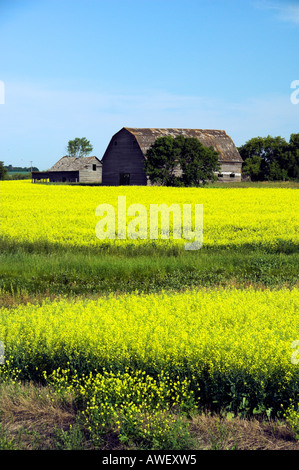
x: 123, y: 155
x: 88, y: 175
x: 39, y: 175
x: 228, y: 169
x: 56, y: 176
x: 63, y: 176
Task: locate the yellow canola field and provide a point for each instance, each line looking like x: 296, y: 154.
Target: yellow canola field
x: 223, y: 347
x: 220, y: 330
x: 66, y: 215
x: 233, y: 345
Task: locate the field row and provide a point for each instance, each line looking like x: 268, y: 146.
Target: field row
x: 233, y: 345
x: 44, y: 217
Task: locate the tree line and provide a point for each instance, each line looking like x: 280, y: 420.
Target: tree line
x: 271, y: 158
x: 15, y: 172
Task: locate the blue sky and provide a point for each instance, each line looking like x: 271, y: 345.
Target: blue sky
x: 87, y: 68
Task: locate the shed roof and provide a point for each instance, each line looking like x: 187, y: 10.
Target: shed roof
x: 71, y: 163
x: 218, y: 139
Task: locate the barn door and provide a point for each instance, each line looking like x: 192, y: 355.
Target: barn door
x: 124, y: 179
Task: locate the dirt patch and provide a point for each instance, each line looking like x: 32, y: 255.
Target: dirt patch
x: 218, y: 433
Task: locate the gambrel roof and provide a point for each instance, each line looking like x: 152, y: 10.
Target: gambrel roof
x: 71, y: 163
x: 218, y: 139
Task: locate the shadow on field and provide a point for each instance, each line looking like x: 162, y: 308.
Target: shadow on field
x: 143, y: 247
x: 46, y: 269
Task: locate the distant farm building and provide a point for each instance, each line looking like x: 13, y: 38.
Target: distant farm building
x: 72, y: 170
x: 123, y: 161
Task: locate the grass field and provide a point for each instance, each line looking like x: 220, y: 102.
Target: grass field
x: 137, y: 343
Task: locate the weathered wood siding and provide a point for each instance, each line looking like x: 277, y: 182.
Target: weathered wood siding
x: 123, y: 157
x: 230, y: 171
x: 64, y: 176
x: 91, y: 173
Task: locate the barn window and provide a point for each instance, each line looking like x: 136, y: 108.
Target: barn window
x: 232, y: 175
x: 220, y: 175
x: 94, y: 167
x: 124, y: 179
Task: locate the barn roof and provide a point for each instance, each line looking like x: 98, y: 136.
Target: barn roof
x: 71, y: 163
x: 218, y: 139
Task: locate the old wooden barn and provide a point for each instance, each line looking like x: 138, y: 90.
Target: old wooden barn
x: 72, y: 170
x: 123, y: 160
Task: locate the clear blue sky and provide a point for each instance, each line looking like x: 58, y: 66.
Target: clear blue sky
x: 87, y: 68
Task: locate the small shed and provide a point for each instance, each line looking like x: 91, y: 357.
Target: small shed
x: 123, y: 160
x: 72, y: 170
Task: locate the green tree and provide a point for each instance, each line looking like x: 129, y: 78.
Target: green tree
x: 3, y: 171
x: 168, y: 155
x: 79, y: 147
x: 273, y: 154
x: 293, y: 157
x: 252, y: 168
x: 198, y: 163
x: 162, y: 159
